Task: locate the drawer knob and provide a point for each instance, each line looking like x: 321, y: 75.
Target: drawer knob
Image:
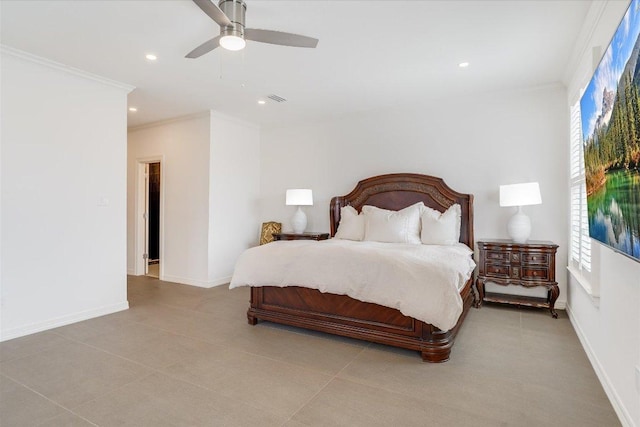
x: 535, y: 273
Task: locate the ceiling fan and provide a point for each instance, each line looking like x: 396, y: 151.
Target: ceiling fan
x: 229, y: 15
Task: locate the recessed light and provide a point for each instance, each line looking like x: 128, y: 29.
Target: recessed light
x: 463, y: 64
x: 151, y: 57
x: 262, y: 101
x: 133, y: 109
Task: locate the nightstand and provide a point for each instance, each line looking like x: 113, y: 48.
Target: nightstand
x: 530, y: 264
x: 301, y: 236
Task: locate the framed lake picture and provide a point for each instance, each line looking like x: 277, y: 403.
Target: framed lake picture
x: 610, y: 116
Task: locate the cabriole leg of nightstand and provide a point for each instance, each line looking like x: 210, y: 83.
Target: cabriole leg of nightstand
x: 480, y: 290
x: 554, y: 292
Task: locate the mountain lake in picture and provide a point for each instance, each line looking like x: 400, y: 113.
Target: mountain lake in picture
x: 614, y: 212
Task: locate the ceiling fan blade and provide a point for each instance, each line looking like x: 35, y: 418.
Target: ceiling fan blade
x: 214, y: 12
x: 278, y: 37
x: 205, y: 47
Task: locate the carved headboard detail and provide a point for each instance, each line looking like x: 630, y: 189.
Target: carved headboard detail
x: 399, y: 190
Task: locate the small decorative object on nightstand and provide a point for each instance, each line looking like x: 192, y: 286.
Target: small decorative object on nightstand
x: 301, y: 236
x: 530, y: 264
x: 268, y: 230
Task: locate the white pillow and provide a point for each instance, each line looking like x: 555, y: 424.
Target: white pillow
x: 441, y: 228
x: 351, y: 225
x: 401, y: 226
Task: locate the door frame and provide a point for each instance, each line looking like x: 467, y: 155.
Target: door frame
x: 140, y: 267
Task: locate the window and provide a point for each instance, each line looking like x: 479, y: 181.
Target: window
x: 580, y: 250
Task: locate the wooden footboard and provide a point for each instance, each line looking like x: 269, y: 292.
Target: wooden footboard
x: 345, y: 316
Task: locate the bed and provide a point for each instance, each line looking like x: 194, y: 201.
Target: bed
x: 342, y: 315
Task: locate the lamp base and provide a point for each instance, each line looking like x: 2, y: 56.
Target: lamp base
x: 299, y: 221
x: 519, y: 227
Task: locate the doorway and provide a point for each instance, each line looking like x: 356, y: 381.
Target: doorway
x: 149, y: 217
x: 152, y: 191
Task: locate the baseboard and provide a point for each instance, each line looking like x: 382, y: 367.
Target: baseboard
x: 131, y: 272
x: 62, y: 321
x: 616, y: 402
x: 196, y: 282
x: 220, y: 282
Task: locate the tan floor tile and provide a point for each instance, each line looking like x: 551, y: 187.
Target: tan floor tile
x: 344, y: 403
x: 158, y: 400
x: 226, y: 307
x: 72, y: 374
x: 321, y: 353
x: 541, y: 320
x: 294, y: 423
x: 189, y: 323
x: 20, y: 406
x: 483, y: 391
x: 508, y: 366
x: 279, y: 387
x: 148, y: 346
x: 67, y: 419
x: 31, y: 344
x: 550, y: 406
x: 496, y: 315
x: 91, y: 328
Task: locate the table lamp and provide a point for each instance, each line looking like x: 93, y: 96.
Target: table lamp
x: 299, y: 197
x: 519, y: 226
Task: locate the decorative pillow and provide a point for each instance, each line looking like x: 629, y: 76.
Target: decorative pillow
x: 441, y: 228
x: 351, y: 225
x: 401, y: 226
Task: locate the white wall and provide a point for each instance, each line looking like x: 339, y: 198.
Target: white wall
x: 234, y: 192
x: 474, y: 143
x: 209, y: 191
x: 184, y: 146
x: 609, y: 326
x: 63, y: 195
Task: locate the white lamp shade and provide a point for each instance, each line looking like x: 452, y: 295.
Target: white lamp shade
x: 299, y: 197
x: 520, y: 194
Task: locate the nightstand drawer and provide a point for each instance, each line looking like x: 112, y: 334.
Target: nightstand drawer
x: 535, y: 273
x: 498, y: 256
x: 536, y: 259
x: 496, y: 270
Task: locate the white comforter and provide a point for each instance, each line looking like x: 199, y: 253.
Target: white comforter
x: 422, y: 281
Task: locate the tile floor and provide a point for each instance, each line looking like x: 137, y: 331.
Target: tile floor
x: 185, y: 356
x: 154, y: 270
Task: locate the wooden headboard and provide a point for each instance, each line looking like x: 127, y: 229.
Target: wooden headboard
x: 399, y: 190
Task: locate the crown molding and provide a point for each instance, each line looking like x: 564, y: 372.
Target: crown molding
x: 207, y: 113
x: 17, y: 53
x: 198, y: 115
x: 582, y: 46
x: 244, y: 123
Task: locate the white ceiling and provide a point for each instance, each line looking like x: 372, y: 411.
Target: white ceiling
x: 371, y: 54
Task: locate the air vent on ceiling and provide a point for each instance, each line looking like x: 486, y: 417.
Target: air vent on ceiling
x: 276, y: 98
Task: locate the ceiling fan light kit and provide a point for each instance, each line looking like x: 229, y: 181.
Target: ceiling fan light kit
x: 230, y: 16
x: 232, y: 42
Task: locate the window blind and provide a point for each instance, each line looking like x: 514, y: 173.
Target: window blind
x: 580, y: 241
